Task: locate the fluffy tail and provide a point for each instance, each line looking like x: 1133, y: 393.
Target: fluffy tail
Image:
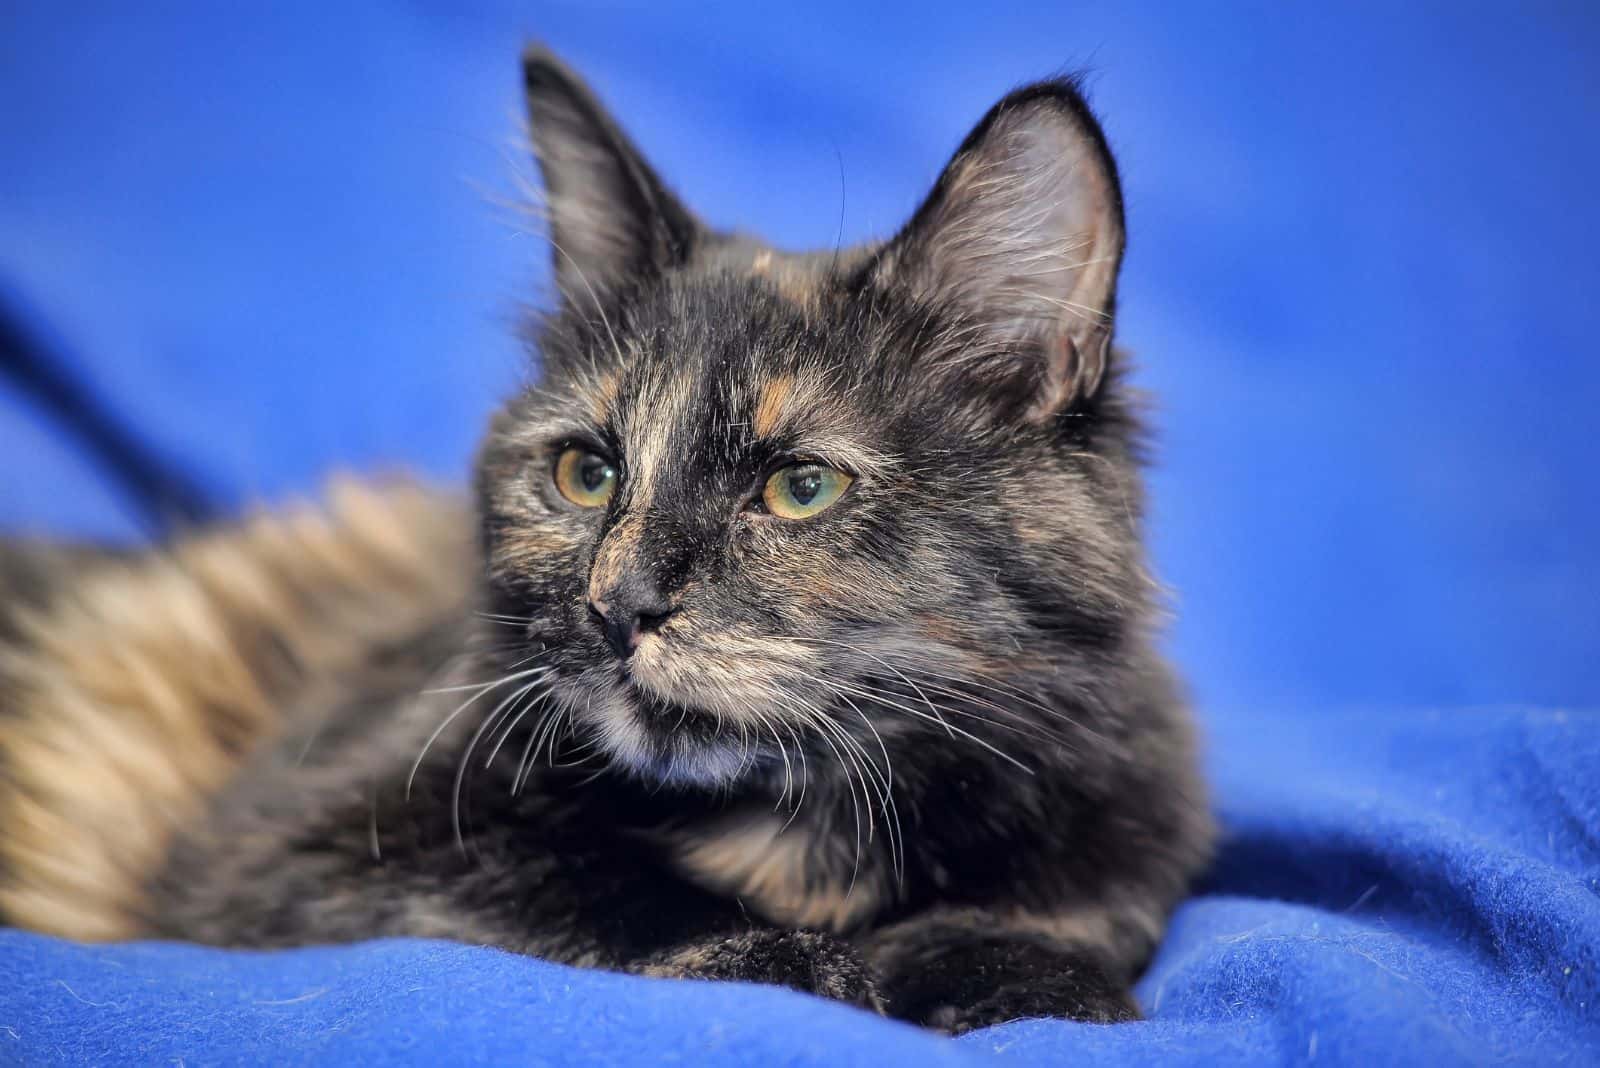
x: 134, y: 684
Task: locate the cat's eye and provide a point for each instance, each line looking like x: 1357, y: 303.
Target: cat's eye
x: 585, y: 478
x: 800, y: 491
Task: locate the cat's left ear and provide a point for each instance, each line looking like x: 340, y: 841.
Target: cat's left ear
x: 1021, y: 239
x: 611, y: 218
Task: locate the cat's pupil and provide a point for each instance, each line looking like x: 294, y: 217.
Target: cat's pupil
x: 594, y: 473
x: 804, y: 487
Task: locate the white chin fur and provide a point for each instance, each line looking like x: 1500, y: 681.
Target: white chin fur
x: 630, y: 747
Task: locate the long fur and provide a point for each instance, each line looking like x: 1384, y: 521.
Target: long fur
x: 917, y: 752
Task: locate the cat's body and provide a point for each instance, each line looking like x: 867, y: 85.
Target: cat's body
x: 806, y: 636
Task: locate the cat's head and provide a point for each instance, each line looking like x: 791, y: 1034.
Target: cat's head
x: 759, y: 500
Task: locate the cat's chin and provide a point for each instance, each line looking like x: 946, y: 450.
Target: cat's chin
x: 704, y: 769
x: 673, y: 745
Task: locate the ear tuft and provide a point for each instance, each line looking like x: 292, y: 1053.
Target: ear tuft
x: 1022, y: 236
x: 610, y: 217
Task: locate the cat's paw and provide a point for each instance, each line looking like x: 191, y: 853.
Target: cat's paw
x: 958, y: 984
x: 808, y: 961
x: 1063, y: 996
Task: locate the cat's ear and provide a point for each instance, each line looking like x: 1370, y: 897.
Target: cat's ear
x: 610, y: 217
x: 1020, y: 240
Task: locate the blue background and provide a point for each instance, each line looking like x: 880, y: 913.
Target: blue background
x: 1363, y: 282
x: 1363, y: 278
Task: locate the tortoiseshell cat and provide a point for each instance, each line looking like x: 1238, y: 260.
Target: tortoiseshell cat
x: 806, y: 635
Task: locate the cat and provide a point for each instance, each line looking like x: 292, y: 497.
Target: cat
x: 799, y: 631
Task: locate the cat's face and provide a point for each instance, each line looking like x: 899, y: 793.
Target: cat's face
x: 760, y: 503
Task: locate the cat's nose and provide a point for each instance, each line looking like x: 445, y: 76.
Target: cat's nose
x: 628, y: 610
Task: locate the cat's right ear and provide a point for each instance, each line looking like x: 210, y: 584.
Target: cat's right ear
x: 611, y: 219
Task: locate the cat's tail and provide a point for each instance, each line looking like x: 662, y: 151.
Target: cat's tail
x: 133, y: 684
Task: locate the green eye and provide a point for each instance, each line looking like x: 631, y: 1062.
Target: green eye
x: 585, y: 478
x: 800, y: 491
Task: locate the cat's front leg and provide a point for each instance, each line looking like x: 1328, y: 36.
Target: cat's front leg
x: 808, y: 961
x: 958, y: 971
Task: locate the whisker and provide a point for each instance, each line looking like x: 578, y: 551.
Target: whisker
x: 879, y: 780
x: 891, y: 813
x: 885, y: 663
x: 805, y: 777
x: 523, y: 766
x: 987, y: 682
x: 560, y: 725
x: 766, y: 722
x: 820, y: 722
x: 549, y: 722
x: 1004, y: 690
x: 1025, y: 727
x: 494, y: 750
x: 883, y: 697
x: 411, y: 777
x: 466, y: 759
x: 491, y: 684
x: 498, y: 617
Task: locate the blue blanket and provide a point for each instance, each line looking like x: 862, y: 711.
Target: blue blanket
x: 1395, y: 888
x: 259, y: 244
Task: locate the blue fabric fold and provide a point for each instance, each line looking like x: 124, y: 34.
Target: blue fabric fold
x: 1395, y: 887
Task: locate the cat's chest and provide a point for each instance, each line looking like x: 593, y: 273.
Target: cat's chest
x: 790, y: 875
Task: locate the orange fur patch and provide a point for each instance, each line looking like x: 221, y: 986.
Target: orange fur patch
x: 604, y: 396
x: 769, y: 407
x: 619, y: 546
x: 776, y: 872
